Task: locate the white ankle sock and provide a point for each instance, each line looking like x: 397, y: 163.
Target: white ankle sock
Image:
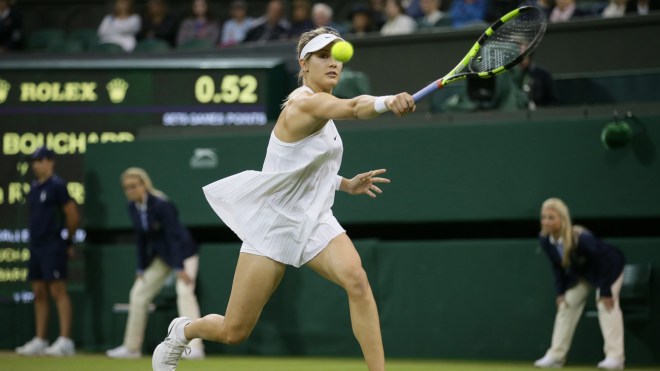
x: 181, y: 334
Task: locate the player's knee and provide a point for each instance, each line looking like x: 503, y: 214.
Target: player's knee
x: 237, y: 334
x: 356, y: 282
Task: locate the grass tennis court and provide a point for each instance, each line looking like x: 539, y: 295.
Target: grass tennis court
x: 98, y: 362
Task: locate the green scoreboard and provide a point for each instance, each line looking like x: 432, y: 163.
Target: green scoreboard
x: 172, y: 92
x: 66, y: 104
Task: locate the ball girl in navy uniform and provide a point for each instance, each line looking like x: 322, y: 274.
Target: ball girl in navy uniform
x: 163, y: 245
x: 580, y: 261
x: 51, y: 211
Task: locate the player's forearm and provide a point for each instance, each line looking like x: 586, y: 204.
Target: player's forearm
x: 368, y: 106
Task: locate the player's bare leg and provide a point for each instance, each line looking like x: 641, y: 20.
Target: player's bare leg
x: 340, y: 263
x: 255, y: 280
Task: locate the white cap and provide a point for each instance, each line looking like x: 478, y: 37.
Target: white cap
x: 318, y: 43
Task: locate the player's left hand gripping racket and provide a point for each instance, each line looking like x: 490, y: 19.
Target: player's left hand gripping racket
x: 502, y: 46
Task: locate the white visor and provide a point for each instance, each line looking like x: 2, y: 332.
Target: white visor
x: 318, y: 43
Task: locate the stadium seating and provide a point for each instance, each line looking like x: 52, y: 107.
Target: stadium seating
x: 109, y: 48
x: 152, y: 45
x: 42, y: 40
x: 196, y: 45
x: 87, y: 36
x: 67, y: 47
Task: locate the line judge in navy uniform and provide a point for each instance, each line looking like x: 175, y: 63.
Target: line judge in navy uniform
x: 51, y: 210
x: 580, y: 261
x: 163, y: 245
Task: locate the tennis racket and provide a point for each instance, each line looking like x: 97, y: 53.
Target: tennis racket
x: 504, y: 44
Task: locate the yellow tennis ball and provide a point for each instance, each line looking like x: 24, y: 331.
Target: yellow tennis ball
x: 342, y: 51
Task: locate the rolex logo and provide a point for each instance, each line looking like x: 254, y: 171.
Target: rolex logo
x: 4, y: 90
x: 117, y: 90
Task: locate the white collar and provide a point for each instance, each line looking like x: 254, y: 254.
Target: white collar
x: 557, y: 241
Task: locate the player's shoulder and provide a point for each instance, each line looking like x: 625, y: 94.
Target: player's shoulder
x: 300, y: 94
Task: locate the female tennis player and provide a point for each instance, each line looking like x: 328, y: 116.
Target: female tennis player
x: 283, y: 213
x: 581, y: 261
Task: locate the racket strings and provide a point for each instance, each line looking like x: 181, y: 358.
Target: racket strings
x: 509, y: 41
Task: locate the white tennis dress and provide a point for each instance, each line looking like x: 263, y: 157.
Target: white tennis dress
x: 284, y: 211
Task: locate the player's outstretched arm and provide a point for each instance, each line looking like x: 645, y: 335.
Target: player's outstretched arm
x: 327, y: 107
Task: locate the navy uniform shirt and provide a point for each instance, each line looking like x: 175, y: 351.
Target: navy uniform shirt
x: 591, y: 259
x: 47, y: 219
x: 159, y: 232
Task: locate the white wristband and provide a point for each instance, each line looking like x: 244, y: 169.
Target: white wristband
x: 338, y: 182
x: 379, y: 104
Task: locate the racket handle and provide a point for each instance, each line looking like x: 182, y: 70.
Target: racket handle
x: 430, y: 88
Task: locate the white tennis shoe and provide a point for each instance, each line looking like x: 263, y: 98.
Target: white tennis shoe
x: 610, y: 364
x: 195, y: 354
x: 35, y: 347
x: 62, y: 347
x: 548, y: 362
x: 167, y: 354
x: 121, y: 352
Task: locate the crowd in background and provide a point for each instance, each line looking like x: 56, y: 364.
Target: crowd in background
x: 127, y: 26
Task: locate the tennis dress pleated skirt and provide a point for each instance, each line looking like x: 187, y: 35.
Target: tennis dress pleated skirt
x: 284, y: 211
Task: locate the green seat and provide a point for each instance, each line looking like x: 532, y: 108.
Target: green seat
x: 196, y: 44
x: 44, y: 39
x: 87, y: 36
x: 636, y: 292
x: 67, y: 46
x: 107, y: 48
x: 504, y: 96
x: 351, y: 84
x: 152, y: 45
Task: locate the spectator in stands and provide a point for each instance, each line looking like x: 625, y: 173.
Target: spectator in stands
x: 159, y: 23
x: 641, y: 7
x: 432, y: 16
x: 497, y: 8
x: 545, y: 5
x: 271, y: 26
x: 11, y: 25
x: 51, y: 210
x: 235, y: 28
x: 200, y: 25
x: 121, y: 27
x: 360, y: 20
x: 322, y: 17
x: 398, y: 22
x: 615, y: 9
x: 163, y: 245
x: 301, y: 18
x: 565, y: 10
x: 536, y: 82
x: 465, y: 13
x: 580, y: 261
x: 413, y: 8
x: 377, y: 8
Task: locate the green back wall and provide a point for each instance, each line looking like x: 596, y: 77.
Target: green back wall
x: 449, y: 172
